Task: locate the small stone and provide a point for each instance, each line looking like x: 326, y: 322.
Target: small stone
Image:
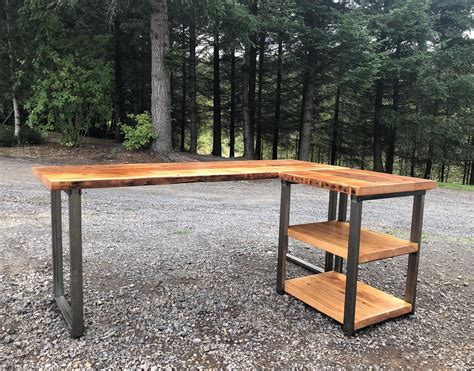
x: 17, y: 296
x: 196, y: 340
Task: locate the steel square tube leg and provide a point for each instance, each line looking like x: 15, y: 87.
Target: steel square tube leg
x: 342, y: 216
x: 283, y: 236
x: 75, y: 245
x: 329, y: 259
x: 414, y: 258
x: 57, y: 244
x: 352, y: 266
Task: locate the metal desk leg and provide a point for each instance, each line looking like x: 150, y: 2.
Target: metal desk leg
x: 57, y: 234
x: 72, y: 313
x: 75, y: 243
x: 352, y: 265
x: 329, y: 259
x: 342, y: 216
x: 283, y: 236
x: 414, y: 258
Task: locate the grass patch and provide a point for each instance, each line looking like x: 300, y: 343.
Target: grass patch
x: 456, y: 186
x: 182, y: 232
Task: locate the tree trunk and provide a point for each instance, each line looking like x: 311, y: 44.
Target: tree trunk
x: 192, y: 88
x: 182, y: 131
x: 464, y: 173
x: 392, y: 131
x: 174, y: 111
x: 232, y: 105
x: 119, y: 103
x: 276, y: 123
x: 429, y: 161
x: 413, y: 159
x: 160, y: 78
x: 429, y: 165
x: 471, y: 178
x: 378, y: 128
x: 136, y: 86
x: 216, y: 123
x: 11, y: 62
x: 252, y: 74
x: 261, y: 56
x: 335, y: 127
x: 308, y: 108
x: 441, y: 172
x: 16, y: 113
x: 470, y: 171
x: 248, y: 130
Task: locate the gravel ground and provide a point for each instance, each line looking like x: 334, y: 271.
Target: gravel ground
x: 184, y: 276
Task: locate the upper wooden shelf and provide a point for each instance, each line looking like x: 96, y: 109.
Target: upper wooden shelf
x: 358, y: 182
x: 333, y: 237
x: 124, y: 175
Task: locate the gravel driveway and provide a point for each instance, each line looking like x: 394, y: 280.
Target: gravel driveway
x: 184, y: 275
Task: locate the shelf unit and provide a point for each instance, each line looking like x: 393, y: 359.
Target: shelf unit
x: 340, y: 296
x: 325, y: 292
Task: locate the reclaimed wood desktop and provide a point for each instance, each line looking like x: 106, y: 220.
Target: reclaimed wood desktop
x: 72, y: 179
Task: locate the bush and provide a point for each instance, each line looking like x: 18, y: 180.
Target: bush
x: 69, y: 95
x: 141, y: 134
x: 28, y: 136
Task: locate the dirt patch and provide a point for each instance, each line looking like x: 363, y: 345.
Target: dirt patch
x: 93, y: 150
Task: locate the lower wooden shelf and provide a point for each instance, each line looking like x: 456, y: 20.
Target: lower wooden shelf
x: 325, y: 292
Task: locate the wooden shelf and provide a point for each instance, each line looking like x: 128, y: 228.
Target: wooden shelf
x: 325, y: 292
x: 333, y: 237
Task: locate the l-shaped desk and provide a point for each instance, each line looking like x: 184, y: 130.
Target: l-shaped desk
x: 339, y: 296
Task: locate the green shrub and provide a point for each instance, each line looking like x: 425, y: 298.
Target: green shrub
x: 69, y: 95
x: 141, y: 134
x: 28, y: 136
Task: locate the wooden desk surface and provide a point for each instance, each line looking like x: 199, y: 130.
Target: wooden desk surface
x: 124, y: 175
x: 351, y: 181
x: 358, y: 182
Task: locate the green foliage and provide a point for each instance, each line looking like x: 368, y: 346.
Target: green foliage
x: 70, y: 97
x: 63, y: 60
x: 73, y: 80
x: 28, y: 136
x: 141, y: 134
